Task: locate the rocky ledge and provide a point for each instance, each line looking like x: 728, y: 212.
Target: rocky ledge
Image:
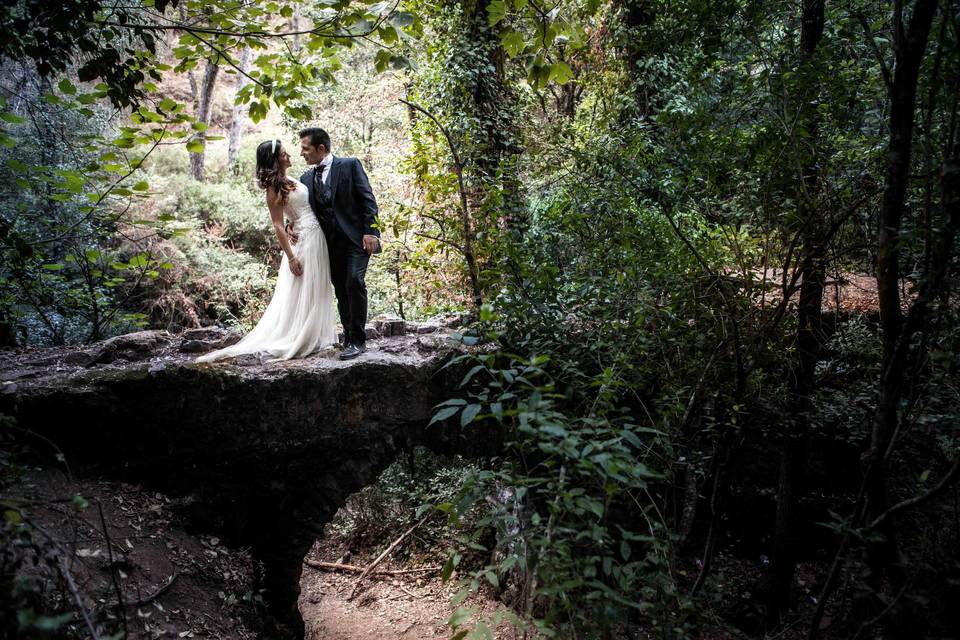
x: 264, y: 453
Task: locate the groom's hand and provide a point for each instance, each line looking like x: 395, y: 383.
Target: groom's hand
x: 291, y: 234
x: 370, y: 244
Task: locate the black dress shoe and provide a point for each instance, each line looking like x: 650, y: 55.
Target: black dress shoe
x: 351, y: 351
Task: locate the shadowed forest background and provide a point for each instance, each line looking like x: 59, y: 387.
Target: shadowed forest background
x: 706, y: 252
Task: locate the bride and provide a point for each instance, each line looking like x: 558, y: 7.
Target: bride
x: 300, y: 317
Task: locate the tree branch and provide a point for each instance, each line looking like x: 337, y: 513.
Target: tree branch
x: 914, y: 501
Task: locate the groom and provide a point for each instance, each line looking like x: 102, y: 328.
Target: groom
x: 341, y: 198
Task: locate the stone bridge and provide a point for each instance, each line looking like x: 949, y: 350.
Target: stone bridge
x: 264, y: 453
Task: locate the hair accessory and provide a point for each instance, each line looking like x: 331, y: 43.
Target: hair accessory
x: 273, y: 146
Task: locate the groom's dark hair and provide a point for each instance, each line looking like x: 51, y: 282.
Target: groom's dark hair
x: 317, y: 137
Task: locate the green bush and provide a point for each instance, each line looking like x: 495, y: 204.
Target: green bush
x: 230, y: 212
x: 228, y: 285
x: 392, y: 503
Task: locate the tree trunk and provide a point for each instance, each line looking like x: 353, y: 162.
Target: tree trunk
x: 883, y: 557
x: 295, y: 26
x: 637, y: 15
x: 809, y: 337
x: 8, y: 334
x: 203, y: 108
x: 496, y: 151
x: 237, y: 117
x: 493, y: 101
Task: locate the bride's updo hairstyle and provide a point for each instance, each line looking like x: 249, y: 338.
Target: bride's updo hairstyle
x: 268, y: 170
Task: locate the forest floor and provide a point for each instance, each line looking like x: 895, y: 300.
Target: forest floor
x: 176, y: 584
x: 121, y: 551
x: 407, y: 600
x: 408, y: 606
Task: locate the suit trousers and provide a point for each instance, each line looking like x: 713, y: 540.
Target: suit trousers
x: 348, y: 268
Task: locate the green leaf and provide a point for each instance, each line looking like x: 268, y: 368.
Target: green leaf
x: 496, y: 12
x: 143, y: 185
x: 447, y: 570
x: 67, y: 87
x: 195, y: 146
x: 443, y: 414
x: 455, y: 402
x: 473, y: 371
x: 388, y: 35
x: 513, y: 42
x: 258, y: 111
x: 382, y: 60
x: 139, y: 260
x: 538, y: 74
x: 596, y: 507
x: 460, y: 596
x: 469, y: 413
x: 401, y: 62
x: 561, y: 73
x: 6, y: 116
x: 481, y: 630
x: 461, y: 615
x: 28, y: 619
x: 403, y: 19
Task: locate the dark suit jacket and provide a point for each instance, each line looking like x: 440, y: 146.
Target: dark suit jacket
x: 353, y: 203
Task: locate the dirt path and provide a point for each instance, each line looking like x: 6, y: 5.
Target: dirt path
x: 403, y: 607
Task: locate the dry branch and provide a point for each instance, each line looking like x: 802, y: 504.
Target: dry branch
x: 352, y: 568
x: 387, y: 552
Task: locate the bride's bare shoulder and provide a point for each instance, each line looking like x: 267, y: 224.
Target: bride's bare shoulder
x: 271, y: 194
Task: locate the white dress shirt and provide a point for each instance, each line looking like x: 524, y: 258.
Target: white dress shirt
x: 325, y: 165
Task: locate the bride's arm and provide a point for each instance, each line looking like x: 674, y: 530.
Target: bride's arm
x: 276, y: 214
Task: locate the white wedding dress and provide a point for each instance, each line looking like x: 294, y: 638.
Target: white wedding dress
x: 300, y: 318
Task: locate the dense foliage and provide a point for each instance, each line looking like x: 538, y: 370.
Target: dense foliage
x: 708, y: 249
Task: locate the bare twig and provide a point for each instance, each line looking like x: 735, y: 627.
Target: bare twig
x: 869, y: 623
x: 62, y: 555
x: 72, y: 586
x: 458, y: 166
x: 911, y: 502
x: 370, y: 567
x: 114, y: 578
x: 352, y: 568
x: 159, y: 592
